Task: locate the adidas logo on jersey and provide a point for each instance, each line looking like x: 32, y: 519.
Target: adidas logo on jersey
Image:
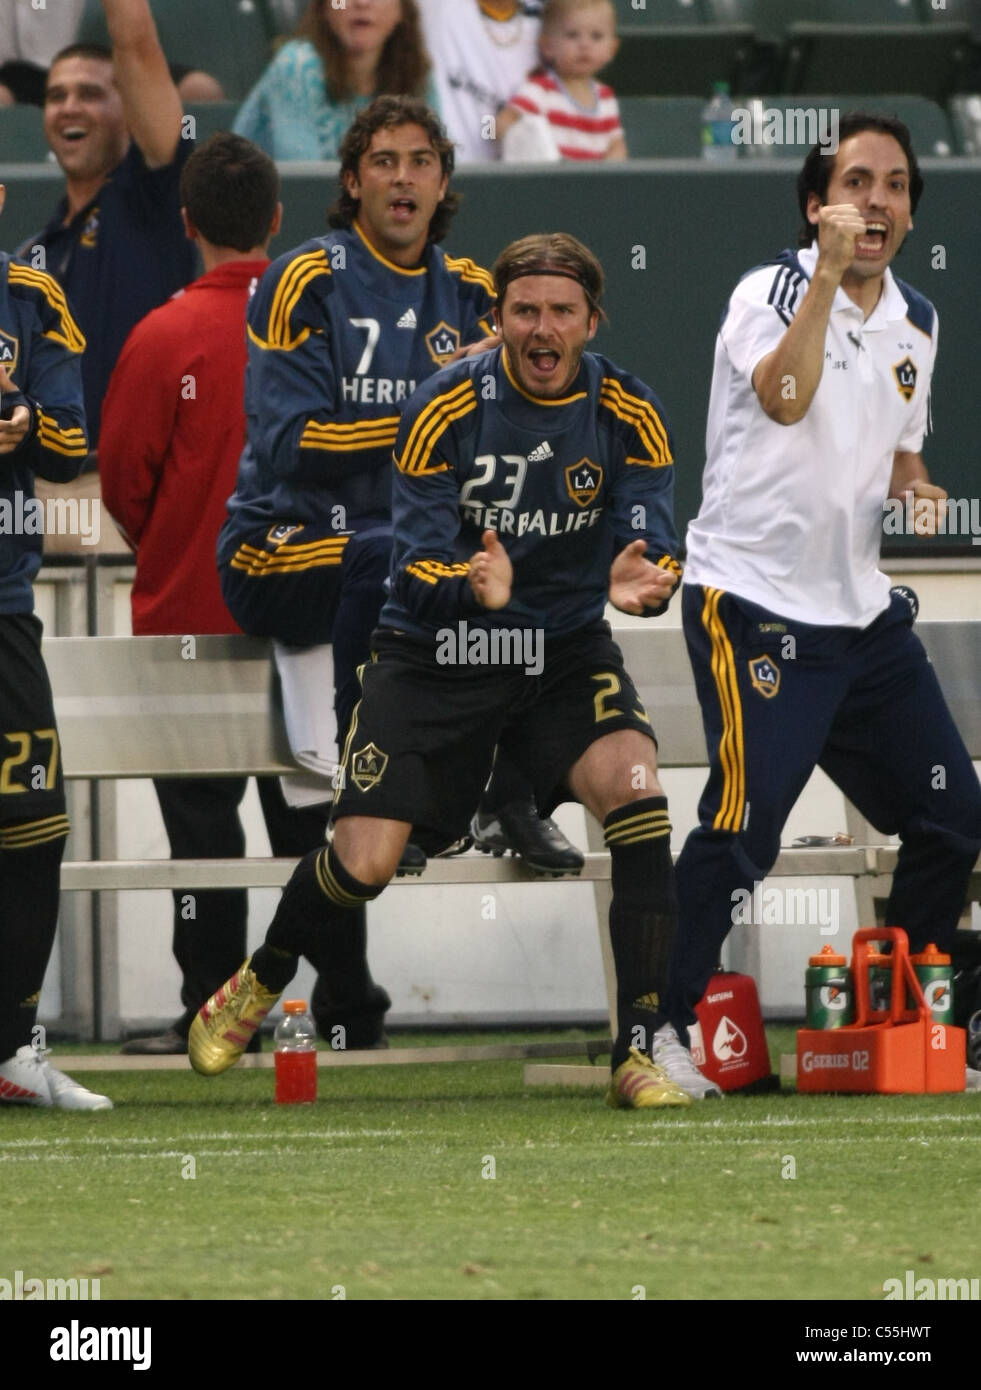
x: 543, y: 452
x: 408, y: 320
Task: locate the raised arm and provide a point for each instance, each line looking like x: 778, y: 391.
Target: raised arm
x: 786, y: 379
x: 150, y: 99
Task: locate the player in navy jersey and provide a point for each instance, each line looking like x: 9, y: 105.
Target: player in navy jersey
x: 341, y: 331
x: 42, y: 430
x: 533, y: 482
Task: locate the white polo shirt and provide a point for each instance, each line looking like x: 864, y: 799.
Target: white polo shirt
x: 478, y: 62
x: 791, y: 516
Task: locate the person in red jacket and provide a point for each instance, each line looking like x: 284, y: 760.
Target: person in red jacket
x: 173, y: 427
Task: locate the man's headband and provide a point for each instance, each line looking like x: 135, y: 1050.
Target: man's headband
x: 523, y: 268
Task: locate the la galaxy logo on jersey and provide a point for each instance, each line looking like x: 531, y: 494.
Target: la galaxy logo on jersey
x: 765, y: 676
x: 442, y: 342
x: 90, y: 232
x: 905, y: 374
x: 368, y: 766
x: 584, y: 480
x: 281, y: 533
x: 9, y: 349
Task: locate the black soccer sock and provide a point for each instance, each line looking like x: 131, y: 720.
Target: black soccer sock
x: 321, y: 899
x: 643, y: 917
x: 30, y: 858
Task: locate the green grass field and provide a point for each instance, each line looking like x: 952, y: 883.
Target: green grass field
x: 383, y: 1188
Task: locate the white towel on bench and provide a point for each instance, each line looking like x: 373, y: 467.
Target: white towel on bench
x: 306, y: 676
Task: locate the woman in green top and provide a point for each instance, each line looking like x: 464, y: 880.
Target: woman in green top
x: 339, y: 60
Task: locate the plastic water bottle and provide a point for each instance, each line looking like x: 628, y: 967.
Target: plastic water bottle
x: 295, y: 1055
x: 718, y: 126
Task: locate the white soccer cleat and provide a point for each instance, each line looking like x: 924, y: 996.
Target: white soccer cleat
x: 668, y: 1052
x: 28, y: 1078
x: 972, y: 1079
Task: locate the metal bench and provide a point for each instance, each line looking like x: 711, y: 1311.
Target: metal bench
x: 138, y: 707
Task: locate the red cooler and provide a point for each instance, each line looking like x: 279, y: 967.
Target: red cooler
x: 728, y: 1043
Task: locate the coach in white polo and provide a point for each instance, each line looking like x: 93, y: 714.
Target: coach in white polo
x: 802, y: 655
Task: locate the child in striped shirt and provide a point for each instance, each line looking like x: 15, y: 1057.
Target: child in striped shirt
x: 578, y: 39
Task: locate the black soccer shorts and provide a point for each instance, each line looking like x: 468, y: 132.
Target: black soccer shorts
x: 422, y: 743
x: 31, y: 782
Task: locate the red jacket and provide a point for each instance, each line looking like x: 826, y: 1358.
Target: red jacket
x: 173, y: 427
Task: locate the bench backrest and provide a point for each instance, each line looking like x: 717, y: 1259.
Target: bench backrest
x: 173, y: 706
x: 165, y: 706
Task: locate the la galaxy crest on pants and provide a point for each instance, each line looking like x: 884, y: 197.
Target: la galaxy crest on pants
x: 368, y: 766
x: 584, y: 480
x: 765, y: 676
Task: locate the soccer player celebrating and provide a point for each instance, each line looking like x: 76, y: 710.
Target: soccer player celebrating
x: 802, y: 655
x: 532, y: 482
x: 42, y: 430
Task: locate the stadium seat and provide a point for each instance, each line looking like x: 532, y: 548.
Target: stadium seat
x: 210, y: 116
x: 860, y: 58
x: 227, y: 38
x: 772, y: 18
x: 965, y: 117
x: 928, y: 122
x: 660, y: 13
x: 281, y: 16
x: 662, y: 127
x: 679, y: 60
x: 955, y: 12
x: 22, y: 135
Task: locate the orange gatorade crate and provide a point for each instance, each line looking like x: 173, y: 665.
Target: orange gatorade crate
x: 904, y: 1053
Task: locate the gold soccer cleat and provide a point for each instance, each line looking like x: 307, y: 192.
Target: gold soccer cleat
x: 225, y: 1025
x: 637, y: 1084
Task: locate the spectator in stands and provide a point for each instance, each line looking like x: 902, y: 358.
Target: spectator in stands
x: 173, y: 427
x: 29, y: 39
x: 560, y: 111
x: 340, y: 59
x: 31, y: 36
x: 481, y: 50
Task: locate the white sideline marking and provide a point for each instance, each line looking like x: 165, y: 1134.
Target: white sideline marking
x: 771, y: 1122
x: 839, y: 1139
x: 210, y: 1137
x: 278, y: 1151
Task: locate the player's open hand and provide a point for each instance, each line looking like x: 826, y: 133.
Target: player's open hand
x: 636, y: 583
x: 491, y: 573
x: 12, y: 431
x: 838, y: 226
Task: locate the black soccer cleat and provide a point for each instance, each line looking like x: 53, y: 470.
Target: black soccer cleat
x: 537, y: 840
x: 413, y: 861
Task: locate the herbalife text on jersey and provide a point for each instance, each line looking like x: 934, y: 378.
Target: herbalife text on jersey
x: 495, y: 646
x: 22, y: 515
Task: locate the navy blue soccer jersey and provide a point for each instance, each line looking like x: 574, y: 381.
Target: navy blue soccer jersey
x: 120, y: 256
x: 41, y: 348
x: 566, y: 484
x: 339, y: 338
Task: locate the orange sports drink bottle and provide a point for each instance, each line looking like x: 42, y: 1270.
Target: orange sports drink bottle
x: 295, y: 1055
